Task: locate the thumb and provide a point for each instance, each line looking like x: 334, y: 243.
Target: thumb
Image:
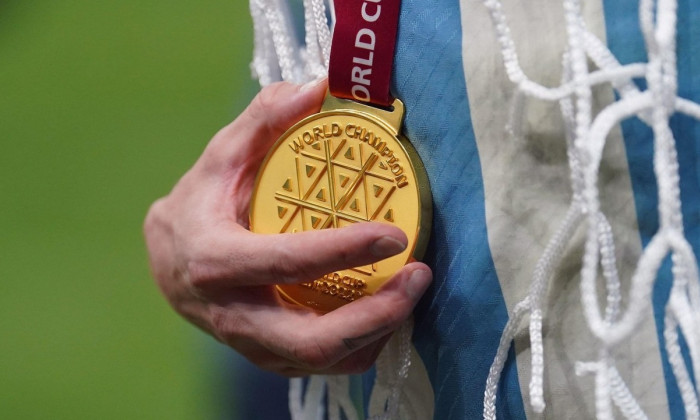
x: 273, y: 110
x: 278, y: 106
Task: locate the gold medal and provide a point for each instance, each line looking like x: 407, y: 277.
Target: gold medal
x: 344, y: 165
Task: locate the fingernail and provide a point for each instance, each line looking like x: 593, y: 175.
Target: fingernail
x: 312, y: 84
x: 417, y: 283
x: 386, y: 246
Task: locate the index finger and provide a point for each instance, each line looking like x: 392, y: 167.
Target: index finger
x: 241, y: 258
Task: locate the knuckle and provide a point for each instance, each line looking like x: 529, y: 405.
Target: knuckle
x: 264, y: 102
x: 285, y: 265
x: 281, y: 271
x: 219, y: 323
x: 213, y: 158
x: 200, y: 276
x: 228, y: 327
x: 206, y: 269
x: 269, y: 95
x: 218, y: 153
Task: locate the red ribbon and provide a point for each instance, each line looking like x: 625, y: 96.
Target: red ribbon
x: 362, y: 50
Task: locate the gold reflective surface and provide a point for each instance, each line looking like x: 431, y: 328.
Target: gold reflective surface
x: 344, y: 165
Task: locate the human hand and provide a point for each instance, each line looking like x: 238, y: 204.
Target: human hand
x: 221, y: 277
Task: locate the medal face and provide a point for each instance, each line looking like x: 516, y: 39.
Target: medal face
x: 336, y: 168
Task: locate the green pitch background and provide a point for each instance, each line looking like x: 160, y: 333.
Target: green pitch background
x: 103, y: 105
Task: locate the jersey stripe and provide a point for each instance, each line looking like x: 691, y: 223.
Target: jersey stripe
x: 458, y: 322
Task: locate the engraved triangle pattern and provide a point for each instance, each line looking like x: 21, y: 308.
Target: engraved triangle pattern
x: 336, y: 184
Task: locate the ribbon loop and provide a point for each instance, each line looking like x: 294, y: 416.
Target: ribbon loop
x: 362, y: 50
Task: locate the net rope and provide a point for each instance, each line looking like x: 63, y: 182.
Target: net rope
x: 279, y: 56
x: 586, y: 136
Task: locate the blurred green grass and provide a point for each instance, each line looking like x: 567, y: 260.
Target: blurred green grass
x: 103, y: 105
